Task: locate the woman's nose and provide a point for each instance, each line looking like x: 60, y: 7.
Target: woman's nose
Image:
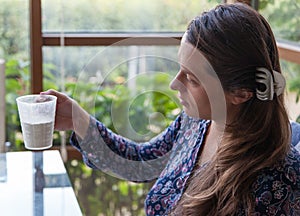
x: 176, y: 83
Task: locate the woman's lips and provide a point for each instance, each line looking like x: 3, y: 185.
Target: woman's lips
x: 183, y: 102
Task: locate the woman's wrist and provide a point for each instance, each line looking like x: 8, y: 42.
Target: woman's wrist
x: 81, y: 120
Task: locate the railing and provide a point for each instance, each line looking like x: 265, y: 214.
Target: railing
x: 289, y: 51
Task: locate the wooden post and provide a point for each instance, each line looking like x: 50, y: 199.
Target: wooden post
x: 36, y: 42
x: 2, y: 106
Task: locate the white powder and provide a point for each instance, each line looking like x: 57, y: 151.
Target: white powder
x: 37, y: 135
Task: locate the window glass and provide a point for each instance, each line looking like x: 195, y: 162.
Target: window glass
x: 284, y: 18
x: 14, y: 29
x: 292, y: 73
x: 14, y: 50
x: 121, y: 15
x: 127, y: 87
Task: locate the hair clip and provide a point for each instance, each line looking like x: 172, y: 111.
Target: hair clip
x: 264, y: 76
x: 279, y: 84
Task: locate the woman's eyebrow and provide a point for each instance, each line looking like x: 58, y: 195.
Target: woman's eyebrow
x: 185, y: 70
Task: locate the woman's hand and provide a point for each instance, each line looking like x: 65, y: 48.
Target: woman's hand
x: 69, y: 115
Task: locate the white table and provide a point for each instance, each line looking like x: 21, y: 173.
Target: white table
x: 35, y: 183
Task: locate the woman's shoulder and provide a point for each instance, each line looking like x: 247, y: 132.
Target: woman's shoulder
x: 295, y: 134
x: 277, y: 189
x: 291, y: 165
x: 285, y: 173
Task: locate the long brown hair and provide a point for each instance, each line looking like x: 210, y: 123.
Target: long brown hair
x: 236, y: 40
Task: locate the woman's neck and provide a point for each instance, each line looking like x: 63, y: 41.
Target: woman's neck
x: 212, y: 141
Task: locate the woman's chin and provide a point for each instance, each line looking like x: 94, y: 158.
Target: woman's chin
x: 197, y: 115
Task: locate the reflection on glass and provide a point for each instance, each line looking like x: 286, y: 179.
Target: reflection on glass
x: 34, y: 191
x: 3, y: 168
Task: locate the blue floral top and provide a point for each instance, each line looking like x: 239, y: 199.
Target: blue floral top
x: 170, y: 158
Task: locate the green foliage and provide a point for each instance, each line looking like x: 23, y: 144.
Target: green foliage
x: 121, y: 15
x: 264, y: 3
x: 293, y: 77
x: 294, y: 85
x: 17, y: 83
x: 14, y: 29
x: 284, y: 18
x: 100, y: 194
x: 119, y: 106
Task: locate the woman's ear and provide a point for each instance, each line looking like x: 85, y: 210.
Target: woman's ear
x: 240, y: 96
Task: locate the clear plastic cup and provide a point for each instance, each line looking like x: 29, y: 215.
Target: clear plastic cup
x: 37, y: 115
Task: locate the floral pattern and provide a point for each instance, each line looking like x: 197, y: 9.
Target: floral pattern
x: 276, y: 190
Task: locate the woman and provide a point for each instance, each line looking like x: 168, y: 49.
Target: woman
x: 229, y: 152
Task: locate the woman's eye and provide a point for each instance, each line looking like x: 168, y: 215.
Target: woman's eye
x: 191, y: 80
